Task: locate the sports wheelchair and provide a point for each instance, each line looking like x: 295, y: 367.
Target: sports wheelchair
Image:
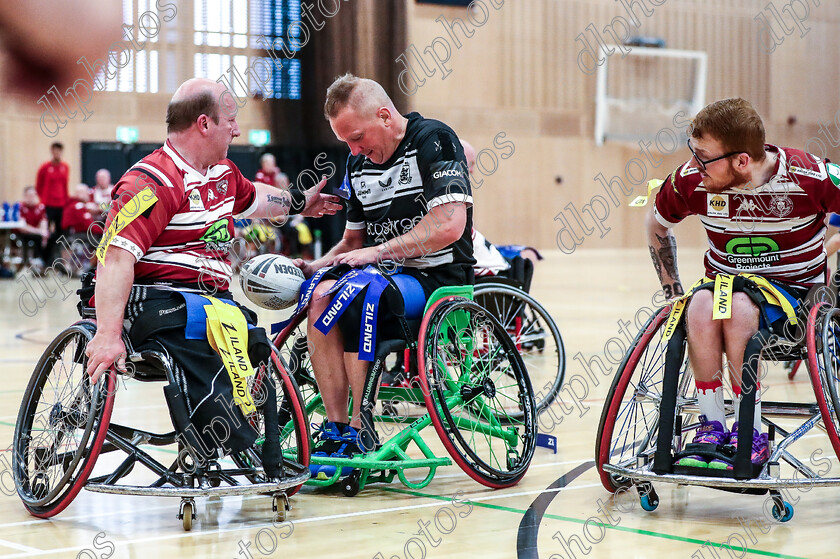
x: 64, y: 425
x: 651, y: 410
x: 534, y: 332
x: 472, y: 382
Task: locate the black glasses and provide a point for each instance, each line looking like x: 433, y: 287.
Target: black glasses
x: 704, y: 163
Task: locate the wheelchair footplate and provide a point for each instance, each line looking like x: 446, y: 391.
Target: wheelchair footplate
x: 710, y: 452
x: 382, y: 465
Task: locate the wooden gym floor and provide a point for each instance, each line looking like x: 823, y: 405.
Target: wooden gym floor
x: 587, y: 293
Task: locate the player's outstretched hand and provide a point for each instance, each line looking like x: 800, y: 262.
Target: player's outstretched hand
x: 104, y: 354
x: 304, y: 267
x: 359, y: 257
x: 318, y: 204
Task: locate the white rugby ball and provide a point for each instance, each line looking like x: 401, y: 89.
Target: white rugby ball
x: 271, y: 281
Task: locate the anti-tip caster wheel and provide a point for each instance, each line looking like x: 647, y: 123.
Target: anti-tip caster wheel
x: 783, y: 512
x: 350, y: 485
x: 648, y: 497
x: 187, y: 513
x: 281, y: 507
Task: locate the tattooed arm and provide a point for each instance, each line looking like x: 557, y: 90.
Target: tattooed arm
x: 277, y: 204
x: 663, y: 252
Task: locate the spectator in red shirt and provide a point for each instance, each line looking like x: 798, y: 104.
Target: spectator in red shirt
x: 51, y: 185
x: 80, y: 213
x: 35, y: 230
x: 267, y: 173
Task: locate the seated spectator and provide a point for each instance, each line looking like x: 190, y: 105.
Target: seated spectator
x: 80, y: 212
x: 267, y: 173
x: 79, y: 222
x: 102, y: 192
x: 35, y: 231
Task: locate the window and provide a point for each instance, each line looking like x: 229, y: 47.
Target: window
x: 135, y: 68
x: 250, y: 44
x: 227, y: 34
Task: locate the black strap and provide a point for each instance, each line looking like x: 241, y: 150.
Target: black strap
x: 663, y: 461
x: 746, y: 416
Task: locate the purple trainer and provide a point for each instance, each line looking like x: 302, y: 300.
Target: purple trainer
x: 709, y: 432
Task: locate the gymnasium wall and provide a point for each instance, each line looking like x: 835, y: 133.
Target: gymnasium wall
x: 518, y: 74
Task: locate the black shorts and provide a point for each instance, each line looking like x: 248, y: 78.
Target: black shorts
x: 214, y: 422
x: 389, y: 323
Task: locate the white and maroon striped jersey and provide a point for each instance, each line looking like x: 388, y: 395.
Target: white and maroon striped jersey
x: 185, y: 237
x: 776, y: 230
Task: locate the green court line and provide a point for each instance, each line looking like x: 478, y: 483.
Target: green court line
x: 607, y: 526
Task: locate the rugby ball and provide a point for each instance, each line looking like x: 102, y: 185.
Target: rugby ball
x: 271, y: 281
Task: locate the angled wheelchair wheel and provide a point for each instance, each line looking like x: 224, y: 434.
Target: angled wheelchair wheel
x: 295, y: 442
x: 823, y: 339
x: 293, y: 353
x: 630, y: 418
x: 477, y: 392
x: 534, y: 333
x: 61, y: 425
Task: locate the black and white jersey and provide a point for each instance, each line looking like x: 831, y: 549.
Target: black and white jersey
x: 427, y: 169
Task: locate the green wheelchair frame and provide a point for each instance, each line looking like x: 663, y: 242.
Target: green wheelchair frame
x: 454, y: 378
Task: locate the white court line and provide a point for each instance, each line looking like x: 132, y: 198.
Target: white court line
x: 19, y: 547
x: 436, y: 503
x: 164, y: 507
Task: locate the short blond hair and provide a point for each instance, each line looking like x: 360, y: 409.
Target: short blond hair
x: 362, y: 94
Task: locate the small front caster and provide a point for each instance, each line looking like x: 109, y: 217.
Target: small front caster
x: 350, y: 485
x: 647, y: 496
x: 187, y: 513
x: 281, y: 506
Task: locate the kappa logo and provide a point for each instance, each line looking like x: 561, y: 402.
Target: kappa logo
x: 210, y: 195
x: 438, y: 147
x: 718, y: 205
x: 747, y: 206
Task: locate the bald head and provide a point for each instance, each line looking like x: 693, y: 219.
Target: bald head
x: 365, y: 97
x: 195, y: 97
x: 469, y: 154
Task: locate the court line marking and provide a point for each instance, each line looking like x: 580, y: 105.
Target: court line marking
x: 637, y: 531
x: 528, y: 532
x: 20, y: 547
x: 477, y: 500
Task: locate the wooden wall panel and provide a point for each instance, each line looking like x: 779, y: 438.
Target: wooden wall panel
x: 518, y: 74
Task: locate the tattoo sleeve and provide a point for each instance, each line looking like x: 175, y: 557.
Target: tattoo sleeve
x: 665, y: 261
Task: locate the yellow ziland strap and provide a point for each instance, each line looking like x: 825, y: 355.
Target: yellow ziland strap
x: 677, y: 311
x: 774, y: 296
x: 227, y: 332
x: 722, y: 308
x: 641, y: 201
x: 138, y: 204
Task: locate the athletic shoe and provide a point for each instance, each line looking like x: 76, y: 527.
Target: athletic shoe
x: 709, y: 432
x: 760, y: 447
x: 327, y: 440
x: 343, y: 442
